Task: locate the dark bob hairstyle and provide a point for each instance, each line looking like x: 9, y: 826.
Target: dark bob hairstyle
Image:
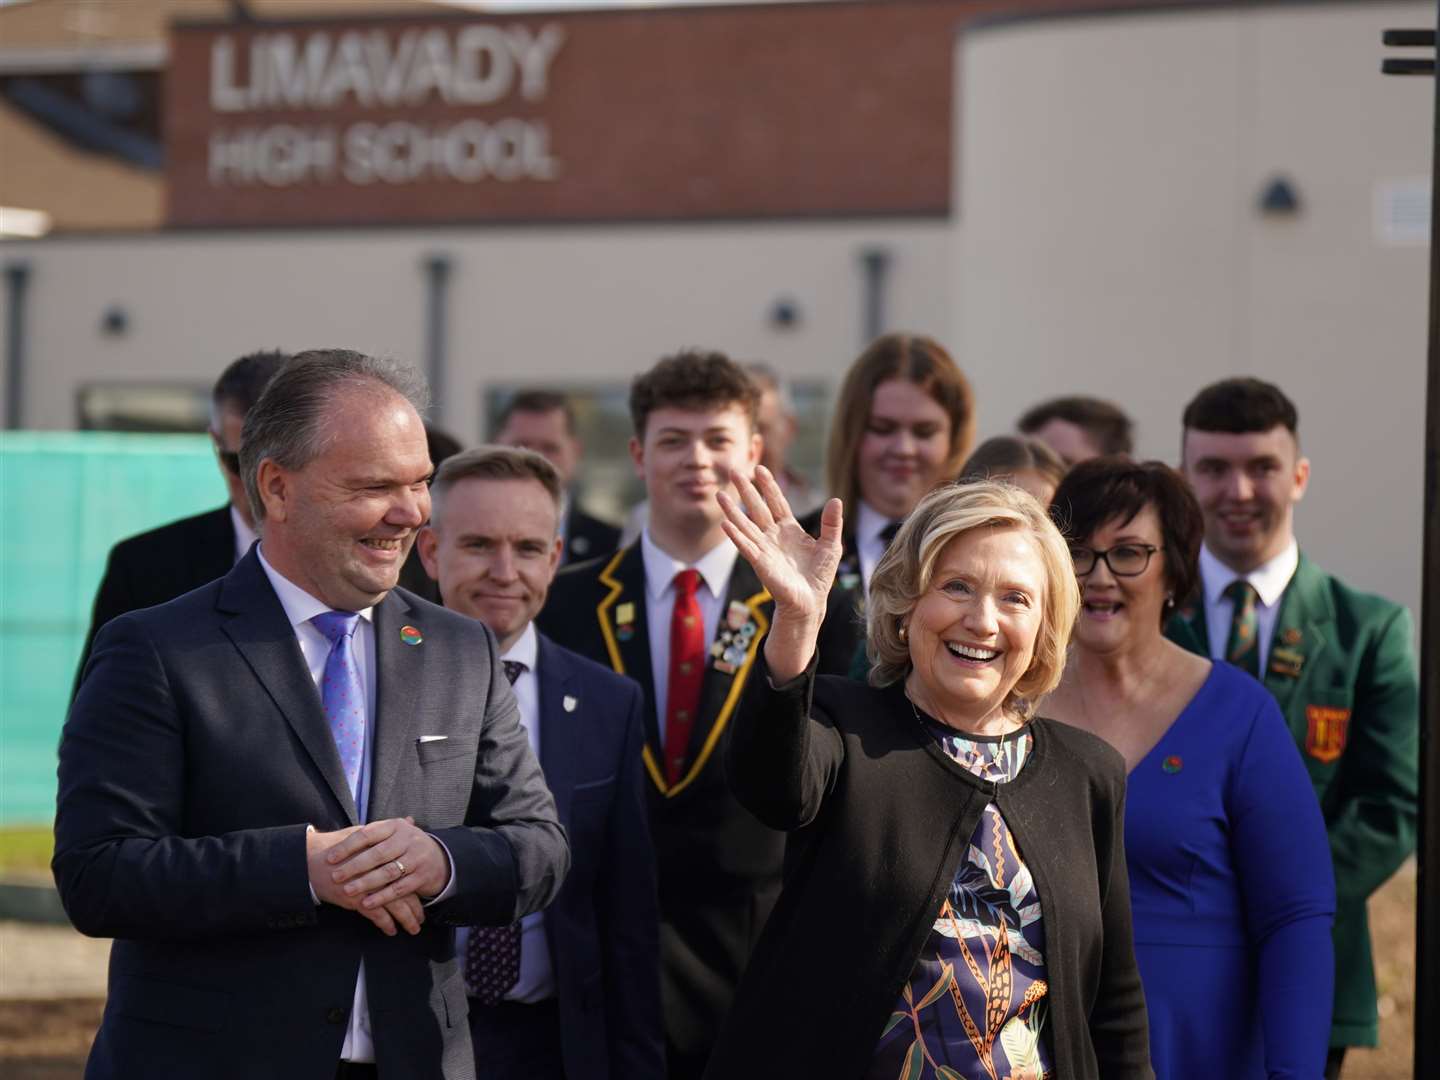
x: 1107, y: 489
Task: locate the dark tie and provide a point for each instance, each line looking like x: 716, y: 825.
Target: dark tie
x: 888, y: 534
x: 687, y: 668
x: 492, y: 956
x: 342, y: 694
x: 1242, y: 648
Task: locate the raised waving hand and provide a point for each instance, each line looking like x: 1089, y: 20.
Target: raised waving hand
x: 797, y: 568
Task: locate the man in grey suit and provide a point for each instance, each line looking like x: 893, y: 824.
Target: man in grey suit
x: 281, y: 792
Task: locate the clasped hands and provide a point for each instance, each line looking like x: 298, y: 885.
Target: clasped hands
x: 379, y: 870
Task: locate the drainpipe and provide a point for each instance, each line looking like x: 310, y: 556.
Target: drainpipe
x: 875, y: 262
x: 437, y: 279
x: 17, y: 279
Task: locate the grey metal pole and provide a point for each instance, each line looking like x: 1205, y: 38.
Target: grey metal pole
x: 1427, y: 846
x: 1427, y: 895
x: 17, y: 280
x: 437, y: 280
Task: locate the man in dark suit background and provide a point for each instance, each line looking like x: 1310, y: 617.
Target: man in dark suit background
x: 264, y: 781
x: 167, y: 562
x: 544, y: 421
x: 582, y: 1000
x: 683, y: 615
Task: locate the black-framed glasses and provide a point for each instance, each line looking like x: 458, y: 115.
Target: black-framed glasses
x: 1124, y: 560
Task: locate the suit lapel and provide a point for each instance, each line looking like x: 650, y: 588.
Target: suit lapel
x: 1188, y: 627
x: 1301, y: 631
x: 558, y: 686
x: 263, y: 635
x: 399, y: 677
x: 744, y: 618
x: 621, y: 615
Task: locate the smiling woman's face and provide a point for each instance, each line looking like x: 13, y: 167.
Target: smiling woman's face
x: 904, y: 449
x: 972, y: 634
x: 1119, y: 610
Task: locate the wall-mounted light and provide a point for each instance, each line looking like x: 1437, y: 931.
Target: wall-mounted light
x: 115, y: 321
x: 1278, y: 198
x: 785, y: 313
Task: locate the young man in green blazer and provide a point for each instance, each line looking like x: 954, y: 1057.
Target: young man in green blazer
x: 1339, y: 662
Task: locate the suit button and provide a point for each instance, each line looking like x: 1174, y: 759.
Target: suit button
x: 335, y: 1016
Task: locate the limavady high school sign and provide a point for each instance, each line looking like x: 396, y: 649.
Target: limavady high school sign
x: 711, y: 113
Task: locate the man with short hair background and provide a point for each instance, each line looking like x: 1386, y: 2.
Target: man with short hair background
x: 1079, y: 428
x: 279, y: 792
x: 167, y: 562
x: 583, y: 998
x: 1339, y: 662
x: 544, y: 421
x: 683, y: 615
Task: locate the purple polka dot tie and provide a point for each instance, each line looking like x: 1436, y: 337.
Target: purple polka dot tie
x: 492, y: 955
x: 342, y: 694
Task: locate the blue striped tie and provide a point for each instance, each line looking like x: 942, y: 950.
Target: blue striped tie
x: 342, y: 694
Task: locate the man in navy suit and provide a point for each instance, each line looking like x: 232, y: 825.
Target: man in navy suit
x: 582, y: 997
x: 265, y: 781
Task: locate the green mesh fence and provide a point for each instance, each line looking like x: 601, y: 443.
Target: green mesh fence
x: 65, y: 498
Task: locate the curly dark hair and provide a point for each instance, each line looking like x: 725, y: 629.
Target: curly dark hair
x: 692, y: 379
x: 1116, y: 489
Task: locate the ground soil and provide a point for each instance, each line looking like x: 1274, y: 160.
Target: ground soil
x: 52, y: 985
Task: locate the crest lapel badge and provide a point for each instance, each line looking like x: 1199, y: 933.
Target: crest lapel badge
x: 1287, y: 662
x: 568, y: 702
x: 1326, y: 729
x: 411, y: 636
x: 732, y: 642
x: 625, y: 621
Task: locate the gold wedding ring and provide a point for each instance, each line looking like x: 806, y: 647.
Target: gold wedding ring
x: 401, y: 867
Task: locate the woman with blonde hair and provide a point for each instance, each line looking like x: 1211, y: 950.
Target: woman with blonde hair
x: 903, y: 424
x: 955, y: 901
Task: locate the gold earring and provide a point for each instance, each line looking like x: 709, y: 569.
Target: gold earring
x: 903, y: 633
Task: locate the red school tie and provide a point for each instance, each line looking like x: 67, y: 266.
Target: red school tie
x: 687, y: 667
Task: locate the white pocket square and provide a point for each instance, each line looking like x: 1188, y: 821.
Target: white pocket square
x: 432, y: 738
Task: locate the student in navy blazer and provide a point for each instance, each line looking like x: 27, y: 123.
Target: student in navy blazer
x: 584, y: 998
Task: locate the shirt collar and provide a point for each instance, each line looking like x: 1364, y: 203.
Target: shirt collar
x: 300, y: 606
x: 526, y: 648
x: 1269, y: 578
x: 870, y: 523
x: 660, y: 569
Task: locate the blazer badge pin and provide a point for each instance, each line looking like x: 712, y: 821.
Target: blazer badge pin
x: 625, y: 621
x: 732, y: 643
x: 1326, y: 729
x: 411, y: 636
x: 569, y: 702
x: 1286, y: 662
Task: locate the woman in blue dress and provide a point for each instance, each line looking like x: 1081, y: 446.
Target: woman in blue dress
x: 1231, y: 884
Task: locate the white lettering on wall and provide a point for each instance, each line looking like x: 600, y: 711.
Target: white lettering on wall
x: 399, y: 152
x: 477, y: 64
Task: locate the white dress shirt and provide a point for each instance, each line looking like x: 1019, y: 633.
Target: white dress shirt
x: 1269, y: 579
x: 244, y: 534
x: 300, y: 607
x: 660, y: 570
x: 537, y: 972
x: 869, y: 544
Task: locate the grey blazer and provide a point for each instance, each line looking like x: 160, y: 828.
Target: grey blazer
x: 194, y: 756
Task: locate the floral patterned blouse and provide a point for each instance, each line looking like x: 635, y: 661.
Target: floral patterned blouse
x: 975, y: 1005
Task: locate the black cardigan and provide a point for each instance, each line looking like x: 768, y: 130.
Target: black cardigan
x: 881, y: 818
